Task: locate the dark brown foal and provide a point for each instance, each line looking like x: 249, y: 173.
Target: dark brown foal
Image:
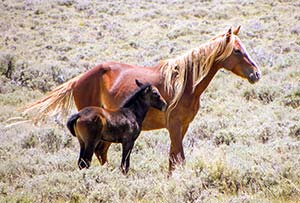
x: 94, y: 125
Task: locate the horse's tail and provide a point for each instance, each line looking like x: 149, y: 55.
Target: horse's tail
x: 71, y: 122
x: 60, y: 100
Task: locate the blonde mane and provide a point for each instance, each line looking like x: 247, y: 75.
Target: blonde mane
x: 198, y: 62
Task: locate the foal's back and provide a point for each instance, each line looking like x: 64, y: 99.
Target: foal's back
x: 99, y: 124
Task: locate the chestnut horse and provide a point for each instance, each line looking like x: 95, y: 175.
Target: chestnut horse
x: 92, y: 125
x: 181, y: 81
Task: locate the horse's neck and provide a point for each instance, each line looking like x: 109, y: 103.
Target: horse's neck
x: 206, y: 81
x: 139, y: 108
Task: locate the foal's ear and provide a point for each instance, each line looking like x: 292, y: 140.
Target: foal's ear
x: 138, y: 83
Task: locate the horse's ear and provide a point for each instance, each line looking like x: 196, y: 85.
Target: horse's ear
x: 138, y: 83
x: 237, y: 30
x: 228, y: 35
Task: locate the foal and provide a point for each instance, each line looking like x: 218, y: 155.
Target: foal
x: 94, y: 124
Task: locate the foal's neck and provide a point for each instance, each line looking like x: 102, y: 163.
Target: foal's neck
x: 139, y: 109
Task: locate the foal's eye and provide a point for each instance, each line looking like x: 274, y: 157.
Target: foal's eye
x: 156, y: 95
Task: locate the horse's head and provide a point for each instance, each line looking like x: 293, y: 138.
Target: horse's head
x: 239, y: 60
x: 153, y: 97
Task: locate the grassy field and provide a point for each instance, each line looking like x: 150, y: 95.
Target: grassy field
x: 243, y: 146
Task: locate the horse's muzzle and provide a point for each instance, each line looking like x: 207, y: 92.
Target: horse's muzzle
x: 254, y: 77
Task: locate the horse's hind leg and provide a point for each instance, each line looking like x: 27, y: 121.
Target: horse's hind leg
x: 98, y: 151
x: 126, y: 151
x: 101, y: 152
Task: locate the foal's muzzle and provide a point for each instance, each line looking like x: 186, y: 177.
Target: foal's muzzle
x: 164, y: 107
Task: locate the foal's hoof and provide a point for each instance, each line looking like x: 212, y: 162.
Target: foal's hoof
x: 83, y: 164
x: 124, y: 170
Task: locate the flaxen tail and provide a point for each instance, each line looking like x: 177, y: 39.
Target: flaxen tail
x: 71, y: 122
x: 59, y: 101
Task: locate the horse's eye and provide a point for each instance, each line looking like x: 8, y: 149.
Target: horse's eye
x: 237, y: 51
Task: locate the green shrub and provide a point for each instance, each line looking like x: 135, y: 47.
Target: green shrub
x: 292, y: 99
x: 224, y: 137
x: 7, y: 65
x: 30, y: 141
x: 264, y: 95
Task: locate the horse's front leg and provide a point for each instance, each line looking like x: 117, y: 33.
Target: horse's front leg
x: 176, y: 155
x: 126, y: 151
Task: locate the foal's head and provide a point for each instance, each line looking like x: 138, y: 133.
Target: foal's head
x: 152, y: 96
x: 148, y: 94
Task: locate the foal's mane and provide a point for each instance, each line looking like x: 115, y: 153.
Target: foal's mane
x: 197, y: 62
x: 134, y: 95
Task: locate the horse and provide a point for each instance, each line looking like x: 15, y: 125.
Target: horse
x: 94, y: 124
x: 180, y: 80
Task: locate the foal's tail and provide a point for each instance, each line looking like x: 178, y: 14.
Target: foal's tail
x: 71, y: 122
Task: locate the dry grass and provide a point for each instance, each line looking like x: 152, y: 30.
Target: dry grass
x: 243, y: 145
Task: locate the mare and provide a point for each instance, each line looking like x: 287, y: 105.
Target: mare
x: 180, y: 80
x: 94, y: 124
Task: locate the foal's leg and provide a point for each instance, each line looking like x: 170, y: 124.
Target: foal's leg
x: 82, y: 149
x: 87, y: 93
x: 85, y: 160
x: 126, y: 151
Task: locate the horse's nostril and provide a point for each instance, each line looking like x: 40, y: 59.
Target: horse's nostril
x: 258, y: 75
